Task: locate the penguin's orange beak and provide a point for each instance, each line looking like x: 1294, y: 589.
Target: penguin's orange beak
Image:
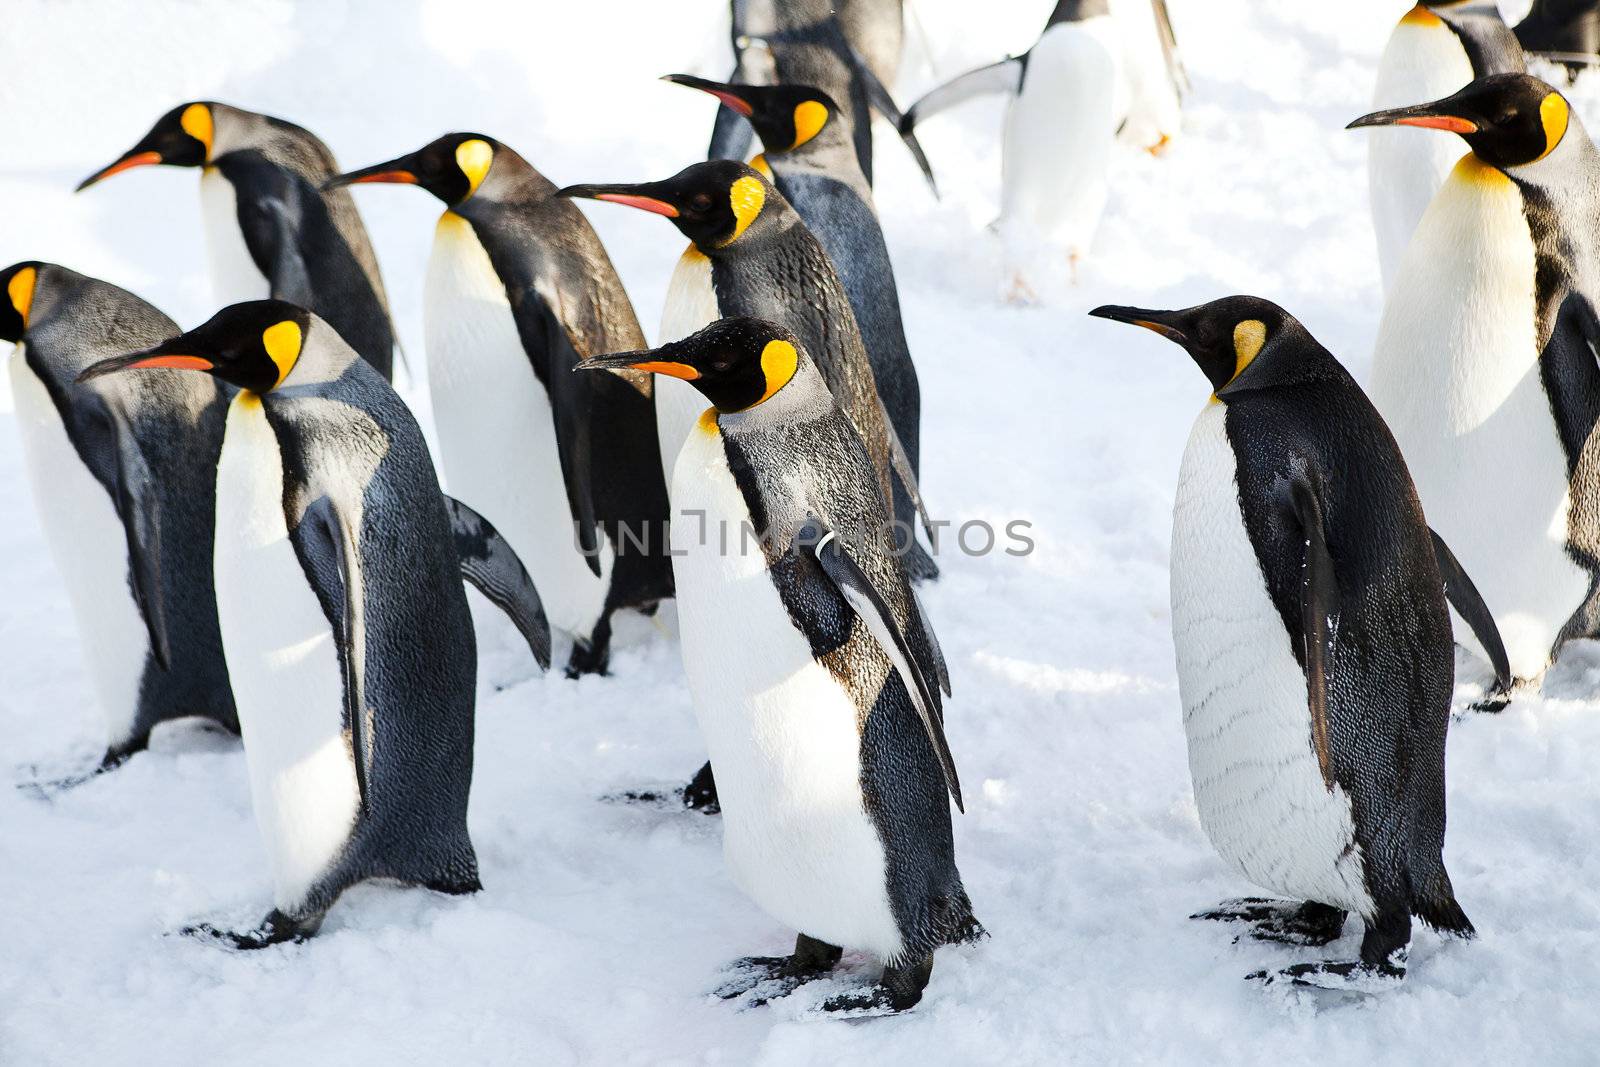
x: 394, y: 172
x: 721, y: 90
x: 128, y: 162
x: 1423, y: 115
x: 639, y: 361
x: 144, y: 361
x: 627, y: 195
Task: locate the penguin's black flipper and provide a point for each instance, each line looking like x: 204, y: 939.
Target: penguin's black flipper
x: 1464, y: 597
x: 571, y: 400
x: 493, y: 568
x: 880, y: 100
x: 1319, y: 608
x: 1002, y: 77
x: 1169, y: 49
x: 940, y: 667
x: 815, y: 539
x: 900, y: 460
x: 270, y: 223
x: 141, y: 521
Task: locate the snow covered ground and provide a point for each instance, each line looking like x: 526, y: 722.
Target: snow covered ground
x: 603, y: 925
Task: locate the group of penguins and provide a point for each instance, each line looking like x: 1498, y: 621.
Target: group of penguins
x: 252, y: 529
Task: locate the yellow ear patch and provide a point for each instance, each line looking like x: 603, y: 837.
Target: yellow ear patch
x: 1248, y: 338
x: 779, y: 361
x: 196, y: 122
x: 474, y: 157
x: 1555, y: 114
x: 282, y: 342
x: 809, y: 118
x: 20, y: 290
x: 746, y: 196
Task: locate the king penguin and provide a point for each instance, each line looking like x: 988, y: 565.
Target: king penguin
x: 338, y: 570
x: 1485, y: 360
x: 1314, y: 657
x: 123, y: 478
x: 519, y: 289
x: 811, y: 163
x: 1434, y: 50
x: 814, y: 673
x: 271, y: 230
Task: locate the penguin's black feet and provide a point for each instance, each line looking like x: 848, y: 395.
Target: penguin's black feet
x: 43, y: 787
x: 701, y: 792
x: 767, y: 978
x: 1351, y: 976
x: 276, y: 929
x: 900, y: 988
x: 1290, y: 922
x: 1492, y: 702
x: 592, y: 658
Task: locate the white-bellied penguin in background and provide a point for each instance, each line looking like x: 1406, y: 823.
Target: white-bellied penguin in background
x: 123, y: 474
x: 271, y: 229
x: 1563, y: 31
x: 807, y: 42
x: 567, y: 466
x: 815, y: 675
x: 1485, y: 360
x: 338, y: 569
x: 1434, y: 50
x: 1081, y: 83
x: 1314, y: 657
x: 809, y: 158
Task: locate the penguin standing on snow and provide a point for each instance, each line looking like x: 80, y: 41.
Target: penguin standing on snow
x: 1313, y: 641
x: 814, y: 673
x: 123, y: 475
x: 1566, y: 31
x: 271, y: 230
x: 519, y: 290
x: 802, y: 42
x: 1434, y: 50
x: 808, y: 153
x: 338, y: 569
x: 1485, y: 360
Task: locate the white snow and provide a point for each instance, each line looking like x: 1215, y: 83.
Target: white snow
x: 602, y: 926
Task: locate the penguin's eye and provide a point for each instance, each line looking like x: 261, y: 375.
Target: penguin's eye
x: 700, y: 202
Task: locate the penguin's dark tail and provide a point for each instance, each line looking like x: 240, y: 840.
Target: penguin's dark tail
x: 1436, y: 905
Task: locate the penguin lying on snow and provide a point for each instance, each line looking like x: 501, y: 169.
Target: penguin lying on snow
x: 271, y: 230
x: 1313, y: 642
x: 1485, y: 359
x: 1435, y: 49
x: 814, y: 672
x: 338, y: 566
x: 122, y: 474
x: 519, y: 290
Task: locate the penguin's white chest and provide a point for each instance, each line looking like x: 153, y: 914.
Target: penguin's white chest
x: 1405, y: 168
x: 234, y: 274
x: 1456, y: 375
x: 1257, y: 783
x: 1058, y: 138
x: 497, y: 436
x: 284, y: 664
x: 90, y: 549
x: 691, y: 304
x: 781, y: 732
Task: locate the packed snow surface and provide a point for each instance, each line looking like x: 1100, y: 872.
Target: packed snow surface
x: 602, y: 926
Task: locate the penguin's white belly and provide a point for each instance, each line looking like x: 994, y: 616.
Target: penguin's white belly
x: 780, y: 730
x: 1257, y: 783
x: 234, y: 274
x: 1058, y: 139
x: 691, y: 304
x: 497, y: 436
x: 1456, y: 376
x: 1405, y: 168
x: 90, y: 549
x: 284, y: 665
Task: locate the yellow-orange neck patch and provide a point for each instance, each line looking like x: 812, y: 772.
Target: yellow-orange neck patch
x: 809, y: 118
x: 707, y: 422
x: 197, y: 123
x: 747, y: 195
x: 1555, y: 114
x: 760, y: 164
x: 282, y: 342
x: 1421, y: 16
x: 474, y: 158
x: 20, y: 290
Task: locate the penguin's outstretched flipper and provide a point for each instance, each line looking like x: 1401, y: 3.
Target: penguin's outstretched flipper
x: 141, y: 521
x: 493, y: 568
x: 940, y: 667
x: 882, y: 102
x: 1169, y: 49
x: 1464, y: 597
x: 1002, y: 77
x: 815, y: 539
x: 1319, y: 608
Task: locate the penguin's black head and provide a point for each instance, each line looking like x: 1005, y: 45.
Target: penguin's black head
x: 713, y: 204
x: 253, y: 345
x: 736, y: 363
x: 17, y: 283
x: 1509, y: 120
x: 451, y: 168
x: 1224, y: 337
x: 180, y: 138
x: 784, y: 116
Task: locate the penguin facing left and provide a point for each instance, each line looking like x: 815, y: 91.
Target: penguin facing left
x: 567, y: 466
x: 815, y: 675
x: 1314, y: 653
x: 271, y: 229
x: 123, y: 478
x: 346, y: 630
